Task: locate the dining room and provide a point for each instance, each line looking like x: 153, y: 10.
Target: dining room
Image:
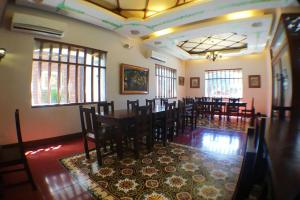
x: 169, y: 99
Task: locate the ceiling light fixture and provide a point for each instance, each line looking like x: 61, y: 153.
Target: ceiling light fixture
x: 213, y: 55
x: 241, y: 15
x: 2, y: 53
x: 163, y: 32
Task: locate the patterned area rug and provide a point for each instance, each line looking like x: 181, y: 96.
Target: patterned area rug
x: 172, y: 172
x: 223, y: 124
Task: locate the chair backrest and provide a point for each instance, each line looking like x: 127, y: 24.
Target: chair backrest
x: 105, y: 106
x: 188, y: 100
x: 88, y: 120
x: 217, y: 102
x: 234, y: 100
x: 252, y: 103
x: 19, y: 134
x: 132, y: 105
x: 144, y: 119
x: 150, y: 102
x: 163, y: 101
x: 170, y: 111
x: 233, y: 103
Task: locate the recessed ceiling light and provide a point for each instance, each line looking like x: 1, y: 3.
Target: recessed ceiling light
x: 163, y: 32
x: 256, y: 24
x: 135, y: 32
x: 241, y: 15
x: 157, y: 42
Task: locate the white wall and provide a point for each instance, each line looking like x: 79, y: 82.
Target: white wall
x: 251, y: 65
x: 15, y: 77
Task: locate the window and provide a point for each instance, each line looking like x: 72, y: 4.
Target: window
x: 224, y: 83
x: 67, y: 74
x: 165, y: 82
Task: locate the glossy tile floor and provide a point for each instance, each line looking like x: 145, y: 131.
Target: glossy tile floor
x: 54, y: 182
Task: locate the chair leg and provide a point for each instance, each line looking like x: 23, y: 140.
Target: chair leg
x: 26, y: 166
x: 164, y: 136
x: 98, y: 153
x: 86, y: 148
x: 136, y: 147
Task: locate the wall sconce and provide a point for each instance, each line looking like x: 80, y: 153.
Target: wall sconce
x: 2, y: 53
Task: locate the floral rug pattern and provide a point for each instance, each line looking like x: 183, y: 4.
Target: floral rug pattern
x: 173, y: 172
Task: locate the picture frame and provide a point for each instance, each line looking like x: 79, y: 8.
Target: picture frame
x: 134, y: 79
x: 181, y: 80
x: 254, y: 81
x: 195, y: 82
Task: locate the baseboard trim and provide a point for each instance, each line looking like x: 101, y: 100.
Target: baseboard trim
x: 47, y: 141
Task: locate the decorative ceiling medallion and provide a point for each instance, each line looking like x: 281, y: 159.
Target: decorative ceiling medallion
x: 220, y: 42
x: 141, y: 9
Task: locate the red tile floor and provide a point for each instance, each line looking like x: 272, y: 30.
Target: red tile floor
x: 54, y: 182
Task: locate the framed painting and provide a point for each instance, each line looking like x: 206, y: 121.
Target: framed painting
x: 254, y: 81
x: 134, y: 79
x: 195, y: 82
x: 181, y: 80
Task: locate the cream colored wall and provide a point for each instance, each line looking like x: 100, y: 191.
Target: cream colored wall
x: 251, y: 65
x: 15, y: 77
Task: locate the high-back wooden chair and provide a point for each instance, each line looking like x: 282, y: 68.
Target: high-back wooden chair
x: 216, y: 107
x: 150, y: 102
x: 143, y: 128
x: 233, y: 108
x: 249, y: 112
x: 169, y: 122
x: 104, y: 106
x: 92, y: 131
x: 132, y: 105
x: 163, y: 101
x: 14, y: 156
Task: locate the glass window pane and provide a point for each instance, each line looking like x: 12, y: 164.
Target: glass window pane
x: 102, y: 84
x: 54, y: 84
x: 46, y: 51
x: 80, y: 82
x: 55, y: 52
x: 63, y: 84
x: 36, y: 50
x: 64, y: 53
x: 80, y: 56
x: 96, y: 59
x: 35, y: 84
x: 73, y: 54
x: 96, y: 84
x: 72, y: 84
x: 44, y: 83
x: 89, y: 57
x: 88, y: 84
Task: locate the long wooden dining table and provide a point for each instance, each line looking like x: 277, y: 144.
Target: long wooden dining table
x: 121, y: 119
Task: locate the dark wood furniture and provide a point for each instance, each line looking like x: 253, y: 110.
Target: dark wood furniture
x: 249, y: 112
x: 233, y: 108
x: 150, y: 102
x: 92, y: 130
x: 120, y: 119
x: 105, y: 106
x: 143, y: 128
x: 131, y: 105
x: 216, y: 107
x: 169, y: 122
x: 163, y: 101
x: 13, y: 157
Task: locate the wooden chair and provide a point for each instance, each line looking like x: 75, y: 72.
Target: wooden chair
x: 132, y: 105
x: 104, y: 106
x: 150, y: 102
x: 163, y: 101
x: 169, y: 123
x: 14, y: 156
x: 216, y: 107
x: 92, y: 131
x: 189, y: 115
x: 188, y: 100
x: 180, y: 117
x: 143, y: 128
x: 249, y: 112
x: 233, y: 108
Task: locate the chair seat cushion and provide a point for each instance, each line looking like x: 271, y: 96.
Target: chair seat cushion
x: 10, y: 154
